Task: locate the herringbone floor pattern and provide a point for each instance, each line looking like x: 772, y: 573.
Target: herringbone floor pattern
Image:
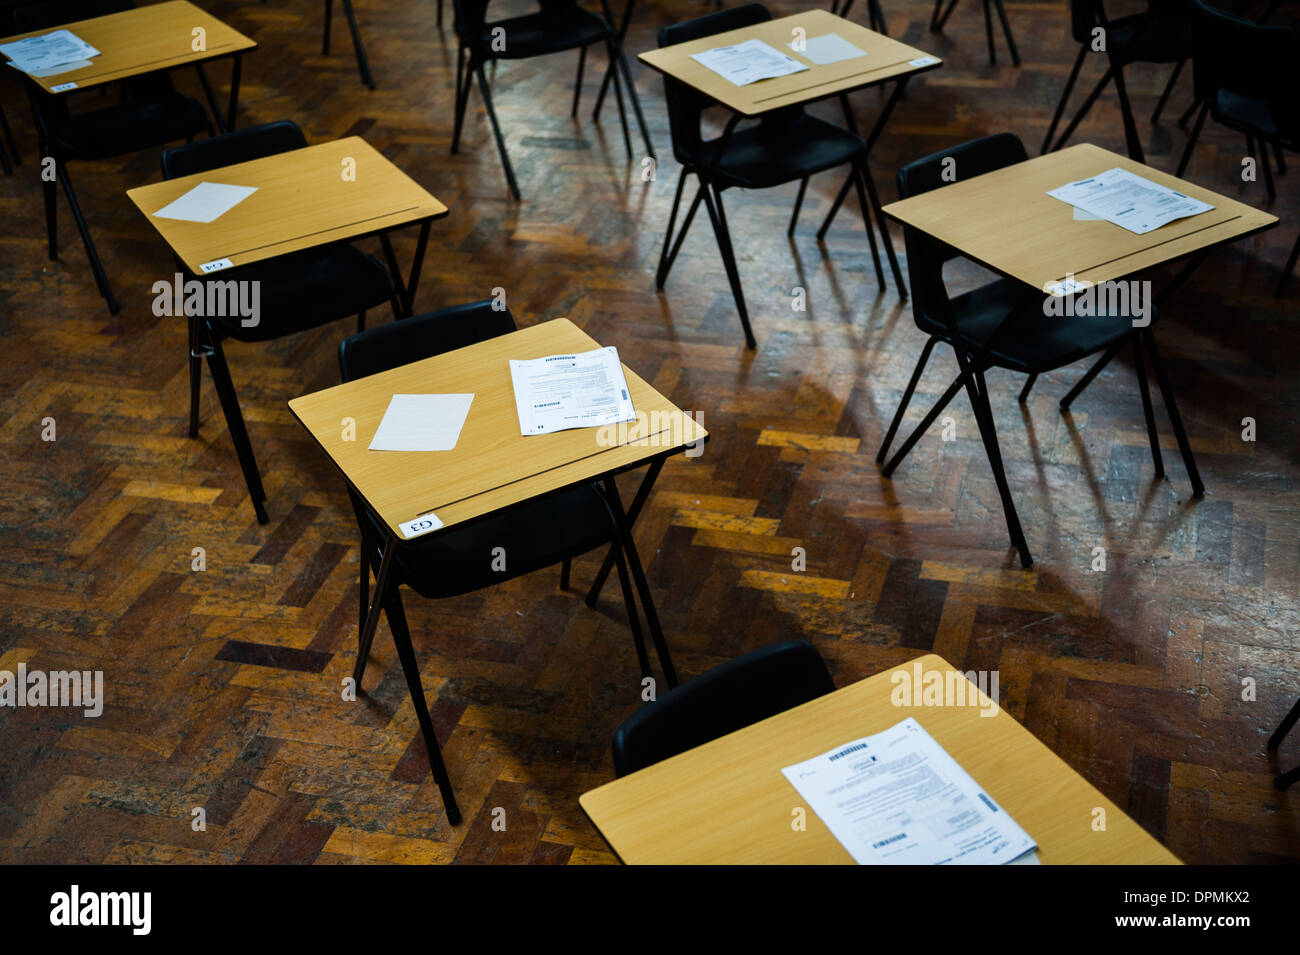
x: 223, y: 685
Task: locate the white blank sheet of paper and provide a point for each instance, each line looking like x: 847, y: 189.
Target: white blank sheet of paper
x: 206, y: 202
x: 422, y: 423
x: 830, y: 48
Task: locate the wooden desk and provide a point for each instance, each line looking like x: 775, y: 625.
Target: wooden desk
x: 493, y: 466
x: 149, y: 40
x: 302, y: 201
x: 1006, y: 221
x: 728, y: 802
x: 886, y: 59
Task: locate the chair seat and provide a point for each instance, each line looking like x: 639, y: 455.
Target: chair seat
x: 536, y: 535
x: 1032, y: 342
x: 306, y: 290
x: 1138, y: 38
x: 769, y: 154
x: 1244, y: 113
x: 537, y: 34
x: 130, y: 127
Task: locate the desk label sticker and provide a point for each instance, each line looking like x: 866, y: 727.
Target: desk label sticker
x: 421, y: 525
x: 215, y: 266
x: 923, y: 61
x: 63, y: 87
x: 1067, y: 286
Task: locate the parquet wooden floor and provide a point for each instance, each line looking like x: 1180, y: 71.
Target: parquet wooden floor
x: 222, y: 685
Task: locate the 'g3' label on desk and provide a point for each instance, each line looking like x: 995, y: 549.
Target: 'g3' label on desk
x: 923, y: 61
x: 215, y: 266
x: 63, y: 87
x: 421, y: 525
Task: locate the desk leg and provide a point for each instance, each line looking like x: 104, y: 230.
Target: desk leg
x: 638, y: 502
x: 211, y: 98
x: 864, y: 176
x: 236, y: 68
x: 406, y: 290
x: 367, y: 634
x: 876, y: 130
x: 624, y: 531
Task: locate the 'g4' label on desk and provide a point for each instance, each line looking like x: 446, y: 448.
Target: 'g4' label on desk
x: 62, y: 87
x: 923, y: 61
x: 421, y: 525
x: 215, y: 266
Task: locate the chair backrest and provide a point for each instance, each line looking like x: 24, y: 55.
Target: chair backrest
x: 227, y: 149
x: 56, y: 13
x: 1085, y: 16
x: 469, y: 17
x: 926, y: 256
x: 1237, y: 56
x: 742, y: 691
x: 685, y: 105
x: 422, y: 336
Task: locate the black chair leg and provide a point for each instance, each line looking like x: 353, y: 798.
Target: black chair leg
x: 884, y: 230
x: 1065, y: 97
x: 1090, y: 374
x: 633, y: 618
x: 988, y: 33
x: 197, y: 352
x: 51, y: 191
x: 671, y: 246
x: 1266, y: 161
x: 917, y: 432
x: 1006, y: 32
x: 907, y: 398
x: 1187, y: 113
x: 363, y: 586
x: 798, y: 204
x: 988, y: 432
x: 329, y: 18
x: 1171, y: 408
x: 1083, y: 110
x: 631, y: 95
x: 875, y: 17
x: 1281, y: 160
x: 1191, y: 140
x: 8, y: 146
x: 363, y: 65
x: 463, y: 83
x: 496, y: 130
x: 235, y: 423
x: 1153, y: 436
x: 577, y: 83
x: 865, y: 203
x: 618, y: 97
x: 411, y: 670
x: 564, y: 573
x: 100, y: 278
x: 1288, y: 779
x: 1029, y: 384
x: 1169, y: 88
x: 720, y: 231
x: 1288, y: 268
x: 361, y: 321
x: 937, y: 19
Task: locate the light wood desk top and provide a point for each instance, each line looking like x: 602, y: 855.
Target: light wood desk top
x: 492, y: 466
x: 302, y: 201
x: 143, y: 40
x: 728, y: 802
x: 1006, y: 221
x: 885, y: 59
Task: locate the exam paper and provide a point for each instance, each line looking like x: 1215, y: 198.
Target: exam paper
x: 44, y: 54
x: 1137, y: 204
x: 422, y: 423
x: 897, y: 798
x: 559, y: 392
x: 748, y: 62
x: 205, y: 202
x: 830, y: 48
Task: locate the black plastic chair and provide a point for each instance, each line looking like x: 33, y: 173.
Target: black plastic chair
x: 940, y: 16
x: 1246, y: 76
x: 150, y: 114
x: 786, y: 146
x: 1160, y: 34
x: 875, y: 15
x: 558, y: 26
x: 727, y: 698
x: 1003, y: 325
x: 542, y: 533
x: 1289, y: 778
x: 298, y: 291
x: 363, y: 64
